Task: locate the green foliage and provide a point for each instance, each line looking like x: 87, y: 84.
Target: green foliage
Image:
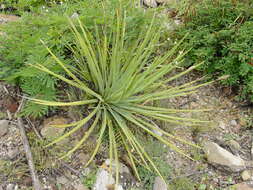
x: 21, y: 6
x: 123, y: 79
x: 157, y: 152
x: 44, y: 159
x: 220, y: 34
x: 22, y: 46
x: 13, y: 171
x: 90, y: 179
x: 182, y: 184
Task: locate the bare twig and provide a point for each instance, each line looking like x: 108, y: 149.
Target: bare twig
x: 20, y: 107
x: 71, y: 169
x: 28, y: 153
x: 34, y: 128
x: 36, y: 183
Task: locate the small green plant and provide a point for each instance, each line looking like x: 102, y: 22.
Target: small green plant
x: 158, y: 152
x: 120, y: 79
x: 182, y: 184
x: 90, y: 179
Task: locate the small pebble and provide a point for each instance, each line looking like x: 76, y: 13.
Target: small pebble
x: 233, y: 122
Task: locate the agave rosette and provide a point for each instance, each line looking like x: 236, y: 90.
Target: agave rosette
x: 121, y: 80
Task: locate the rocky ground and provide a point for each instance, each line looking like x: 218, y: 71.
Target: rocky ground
x: 225, y: 162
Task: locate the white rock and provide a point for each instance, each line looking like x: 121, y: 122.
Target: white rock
x: 150, y: 3
x: 218, y: 155
x: 10, y: 187
x: 103, y: 180
x: 159, y: 184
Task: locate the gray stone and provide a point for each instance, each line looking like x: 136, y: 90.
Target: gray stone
x: 4, y: 127
x: 159, y: 184
x: 150, y: 3
x: 218, y: 155
x: 247, y: 175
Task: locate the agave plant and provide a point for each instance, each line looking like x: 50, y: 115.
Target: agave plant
x: 120, y: 81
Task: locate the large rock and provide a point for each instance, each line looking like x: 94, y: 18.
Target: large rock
x: 242, y: 186
x: 159, y: 184
x: 218, y: 155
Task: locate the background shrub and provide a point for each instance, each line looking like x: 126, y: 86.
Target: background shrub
x: 220, y: 33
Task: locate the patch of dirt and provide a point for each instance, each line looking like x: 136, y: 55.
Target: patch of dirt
x: 228, y: 122
x: 8, y: 18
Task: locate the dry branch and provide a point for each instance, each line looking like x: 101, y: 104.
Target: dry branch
x: 36, y: 183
